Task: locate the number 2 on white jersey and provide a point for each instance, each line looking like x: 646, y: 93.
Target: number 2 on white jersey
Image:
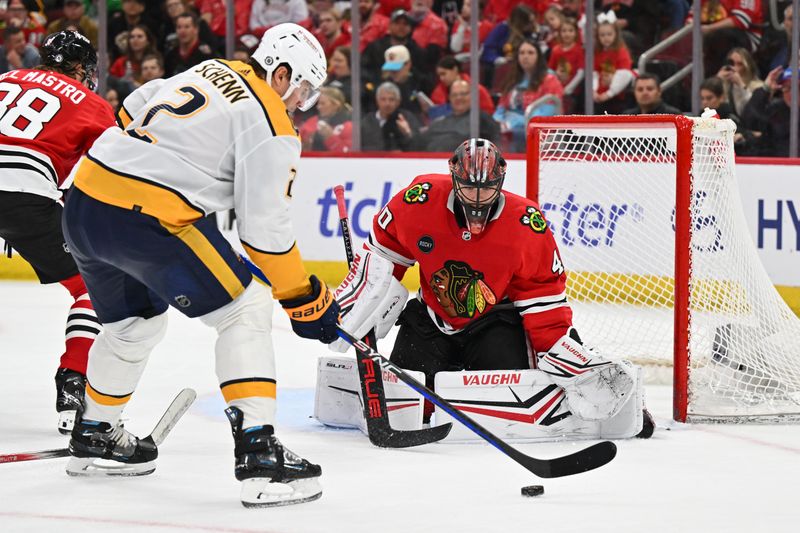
x: 36, y: 107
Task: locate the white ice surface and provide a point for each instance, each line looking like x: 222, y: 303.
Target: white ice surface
x: 685, y: 479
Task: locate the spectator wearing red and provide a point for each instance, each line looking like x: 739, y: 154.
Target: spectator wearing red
x: 128, y: 67
x: 567, y: 58
x: 497, y: 11
x: 430, y: 31
x: 551, y: 25
x: 32, y: 22
x: 729, y: 24
x: 448, y: 70
x: 331, y: 33
x: 374, y: 24
x: 168, y: 37
x: 332, y: 129
x: 461, y: 35
x: 528, y: 90
x: 613, y: 66
x: 215, y: 15
x: 387, y: 7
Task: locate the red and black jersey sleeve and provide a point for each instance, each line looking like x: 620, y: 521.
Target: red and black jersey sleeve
x: 385, y: 236
x: 538, y: 286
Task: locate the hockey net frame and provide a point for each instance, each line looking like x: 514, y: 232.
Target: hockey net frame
x: 694, y: 146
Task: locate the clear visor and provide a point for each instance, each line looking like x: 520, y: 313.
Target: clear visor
x: 306, y: 94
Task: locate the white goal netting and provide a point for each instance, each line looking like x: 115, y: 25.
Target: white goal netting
x: 608, y: 190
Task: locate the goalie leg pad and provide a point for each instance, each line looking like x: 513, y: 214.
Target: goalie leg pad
x: 338, y: 401
x: 369, y: 297
x: 596, y: 388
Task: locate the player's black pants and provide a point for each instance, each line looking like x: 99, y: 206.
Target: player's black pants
x: 493, y: 342
x: 31, y: 224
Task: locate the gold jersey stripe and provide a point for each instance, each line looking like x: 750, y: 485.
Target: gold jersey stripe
x: 285, y: 271
x: 106, y: 399
x: 123, y: 117
x: 273, y: 106
x: 129, y: 192
x: 205, y: 251
x: 248, y: 389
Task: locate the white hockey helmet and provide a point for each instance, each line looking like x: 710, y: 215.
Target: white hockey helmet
x: 295, y: 46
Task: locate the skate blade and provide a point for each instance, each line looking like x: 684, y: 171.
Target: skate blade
x: 261, y: 492
x: 66, y: 419
x: 93, y: 467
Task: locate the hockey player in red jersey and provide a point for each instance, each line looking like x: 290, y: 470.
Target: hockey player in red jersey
x: 49, y: 117
x: 492, y: 283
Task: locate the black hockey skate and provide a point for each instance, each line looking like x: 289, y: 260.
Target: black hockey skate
x: 271, y: 474
x: 648, y: 425
x: 98, y: 449
x: 70, y: 386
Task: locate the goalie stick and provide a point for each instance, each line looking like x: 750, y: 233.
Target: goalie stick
x: 379, y: 430
x: 174, y: 412
x: 584, y: 460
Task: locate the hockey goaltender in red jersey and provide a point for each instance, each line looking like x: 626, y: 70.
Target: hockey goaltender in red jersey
x: 492, y: 285
x: 49, y: 117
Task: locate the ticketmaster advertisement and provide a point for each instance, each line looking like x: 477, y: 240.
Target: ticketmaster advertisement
x: 597, y: 227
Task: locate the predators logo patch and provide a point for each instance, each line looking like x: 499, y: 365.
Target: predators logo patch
x: 417, y: 194
x: 534, y: 219
x: 461, y: 290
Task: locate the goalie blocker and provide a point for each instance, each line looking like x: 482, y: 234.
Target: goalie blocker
x: 513, y: 404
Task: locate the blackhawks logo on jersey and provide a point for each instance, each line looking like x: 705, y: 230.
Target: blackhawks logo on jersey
x: 461, y: 290
x: 417, y: 194
x: 534, y: 219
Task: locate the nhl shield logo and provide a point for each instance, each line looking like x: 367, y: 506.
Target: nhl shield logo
x: 183, y: 301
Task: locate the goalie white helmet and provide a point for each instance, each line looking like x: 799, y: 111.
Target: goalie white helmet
x: 296, y: 47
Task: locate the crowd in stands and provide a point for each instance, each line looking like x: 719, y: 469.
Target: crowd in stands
x: 415, y: 57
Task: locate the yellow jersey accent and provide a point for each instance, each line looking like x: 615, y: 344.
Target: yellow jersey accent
x: 248, y: 389
x: 131, y: 193
x: 285, y: 271
x: 105, y: 399
x: 200, y: 245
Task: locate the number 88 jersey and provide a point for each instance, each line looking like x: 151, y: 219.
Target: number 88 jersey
x: 47, y: 121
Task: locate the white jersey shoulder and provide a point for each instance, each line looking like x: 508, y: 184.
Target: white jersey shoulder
x: 219, y: 137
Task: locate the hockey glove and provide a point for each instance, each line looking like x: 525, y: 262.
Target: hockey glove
x: 596, y: 388
x: 316, y: 315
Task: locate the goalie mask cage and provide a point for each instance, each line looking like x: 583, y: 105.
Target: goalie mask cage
x: 661, y: 267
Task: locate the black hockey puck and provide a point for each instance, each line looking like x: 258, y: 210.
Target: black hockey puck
x: 533, y: 490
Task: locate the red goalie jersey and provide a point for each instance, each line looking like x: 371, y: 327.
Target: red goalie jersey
x: 47, y: 121
x: 514, y: 261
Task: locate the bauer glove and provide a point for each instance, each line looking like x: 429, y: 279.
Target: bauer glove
x: 316, y: 315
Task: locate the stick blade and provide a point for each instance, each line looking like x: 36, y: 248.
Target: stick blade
x: 393, y: 438
x: 584, y: 460
x: 172, y: 415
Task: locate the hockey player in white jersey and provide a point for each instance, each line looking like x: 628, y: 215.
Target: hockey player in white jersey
x: 219, y: 136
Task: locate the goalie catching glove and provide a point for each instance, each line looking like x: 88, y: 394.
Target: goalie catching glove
x: 370, y: 298
x: 596, y: 388
x: 315, y: 315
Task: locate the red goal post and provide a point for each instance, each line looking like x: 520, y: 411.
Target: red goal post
x: 662, y: 269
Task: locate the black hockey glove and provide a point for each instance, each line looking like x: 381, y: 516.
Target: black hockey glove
x: 316, y: 315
